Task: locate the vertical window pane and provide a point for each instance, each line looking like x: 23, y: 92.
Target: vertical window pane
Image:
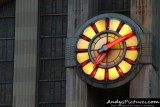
x: 7, y: 34
x: 53, y: 31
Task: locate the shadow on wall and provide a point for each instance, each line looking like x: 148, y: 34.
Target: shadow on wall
x: 2, y: 2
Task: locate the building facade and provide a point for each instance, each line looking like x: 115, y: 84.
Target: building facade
x: 37, y: 60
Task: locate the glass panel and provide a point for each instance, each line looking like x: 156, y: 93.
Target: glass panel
x: 88, y: 68
x: 52, y: 91
x: 52, y: 69
x: 53, y: 6
x: 111, y: 37
x: 125, y: 67
x: 7, y: 28
x: 59, y: 47
x: 132, y: 41
x: 7, y: 35
x: 6, y: 72
x: 81, y: 57
x: 6, y: 93
x: 82, y: 44
x: 131, y: 54
x: 94, y: 54
x: 45, y: 51
x: 113, y: 55
x: 53, y: 31
x: 113, y: 24
x: 89, y: 32
x: 126, y: 29
x: 101, y: 26
x: 100, y: 74
x: 6, y: 49
x: 100, y: 43
x: 56, y: 26
x: 115, y: 6
x: 113, y: 74
x: 118, y: 46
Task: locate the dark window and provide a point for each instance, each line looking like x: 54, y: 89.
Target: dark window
x: 115, y: 6
x: 7, y: 34
x: 53, y: 33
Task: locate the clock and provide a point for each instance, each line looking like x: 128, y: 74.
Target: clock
x: 108, y: 49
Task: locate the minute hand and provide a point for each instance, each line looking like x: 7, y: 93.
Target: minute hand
x: 102, y: 54
x: 120, y: 39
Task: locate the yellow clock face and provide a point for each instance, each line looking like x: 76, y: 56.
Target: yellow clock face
x: 108, y: 48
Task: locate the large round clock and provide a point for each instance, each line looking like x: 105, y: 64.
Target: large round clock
x: 108, y: 49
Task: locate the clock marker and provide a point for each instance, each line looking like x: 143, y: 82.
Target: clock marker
x: 133, y: 48
x: 81, y: 50
x: 85, y: 38
x: 120, y: 26
x: 94, y: 27
x: 85, y: 63
x: 119, y: 71
x: 129, y: 61
x: 107, y: 23
x: 94, y: 72
x: 106, y: 74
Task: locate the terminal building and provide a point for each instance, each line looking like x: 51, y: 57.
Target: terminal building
x: 38, y: 66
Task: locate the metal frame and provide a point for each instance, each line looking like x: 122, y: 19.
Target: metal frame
x: 127, y: 77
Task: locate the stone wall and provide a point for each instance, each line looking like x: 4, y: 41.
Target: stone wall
x: 145, y: 84
x: 25, y: 57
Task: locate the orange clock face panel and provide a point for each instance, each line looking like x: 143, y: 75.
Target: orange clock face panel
x: 107, y: 49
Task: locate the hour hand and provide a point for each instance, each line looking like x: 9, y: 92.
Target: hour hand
x: 99, y: 58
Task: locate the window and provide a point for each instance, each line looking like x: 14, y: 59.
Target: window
x: 7, y: 34
x: 53, y: 33
x: 115, y: 6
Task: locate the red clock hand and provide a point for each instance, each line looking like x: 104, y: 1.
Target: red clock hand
x: 104, y: 48
x: 120, y: 39
x: 99, y: 58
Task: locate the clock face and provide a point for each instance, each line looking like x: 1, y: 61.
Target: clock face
x: 108, y: 49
